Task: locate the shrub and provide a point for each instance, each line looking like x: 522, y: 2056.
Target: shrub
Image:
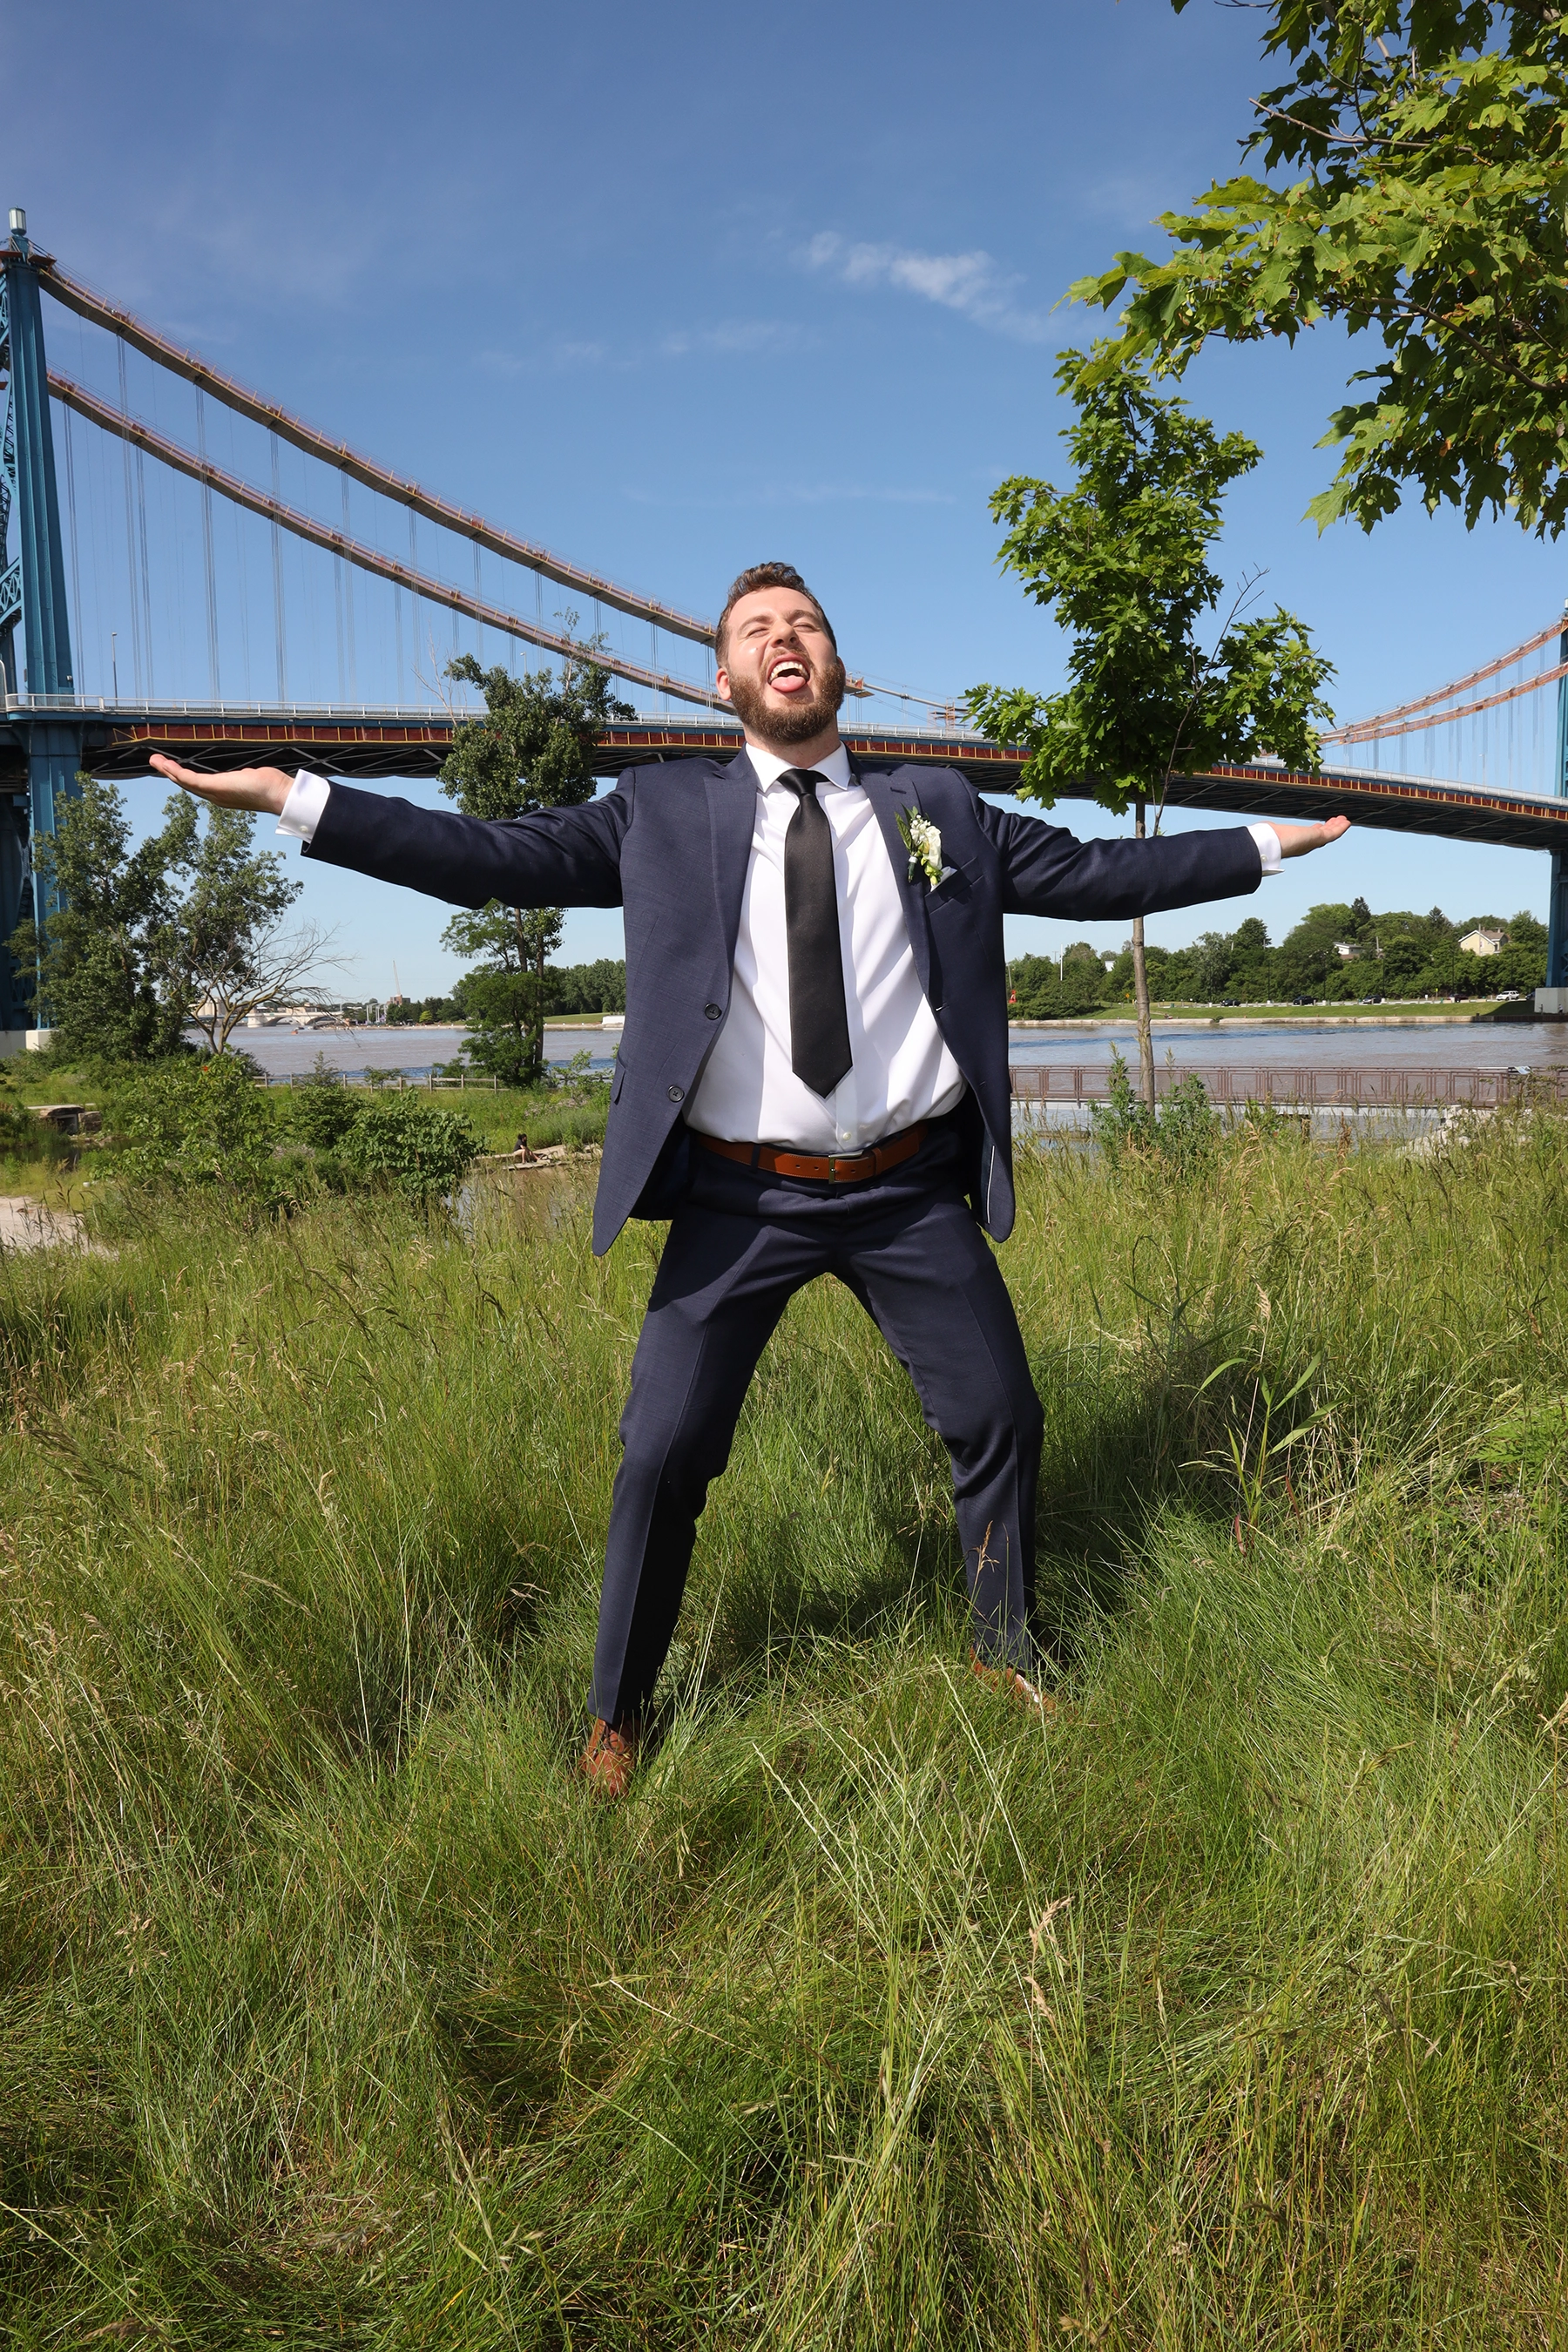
x: 320, y: 1113
x: 401, y: 1144
x: 1181, y: 1130
x: 200, y: 1123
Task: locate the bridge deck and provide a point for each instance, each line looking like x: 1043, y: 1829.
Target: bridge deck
x: 367, y: 746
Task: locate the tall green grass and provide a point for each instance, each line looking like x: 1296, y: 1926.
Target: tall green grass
x: 1226, y: 2010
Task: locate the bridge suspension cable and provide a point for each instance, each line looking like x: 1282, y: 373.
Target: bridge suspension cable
x: 142, y: 438
x: 1414, y: 718
x: 1379, y: 730
x: 364, y: 470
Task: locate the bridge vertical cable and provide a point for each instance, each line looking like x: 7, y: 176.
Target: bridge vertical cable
x: 338, y: 613
x: 277, y: 580
x: 349, y: 600
x: 146, y: 569
x: 130, y: 531
x: 210, y: 562
x: 244, y: 592
x: 414, y: 567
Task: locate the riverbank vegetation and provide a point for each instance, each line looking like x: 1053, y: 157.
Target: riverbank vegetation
x: 185, y: 1121
x: 1336, y: 955
x: 1224, y: 2008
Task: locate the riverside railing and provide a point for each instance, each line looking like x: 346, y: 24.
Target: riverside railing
x: 385, y: 1082
x: 1087, y: 1082
x: 1292, y: 1089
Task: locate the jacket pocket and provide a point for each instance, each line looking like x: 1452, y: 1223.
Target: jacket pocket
x: 956, y: 884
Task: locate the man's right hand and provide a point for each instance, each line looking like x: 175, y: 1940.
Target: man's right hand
x: 266, y: 789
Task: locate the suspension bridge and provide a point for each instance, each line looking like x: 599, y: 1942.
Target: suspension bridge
x: 195, y: 557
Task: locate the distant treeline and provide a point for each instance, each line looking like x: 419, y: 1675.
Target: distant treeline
x: 1336, y: 955
x: 568, y: 988
x: 1394, y: 954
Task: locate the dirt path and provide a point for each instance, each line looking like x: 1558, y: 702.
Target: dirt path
x: 27, y: 1224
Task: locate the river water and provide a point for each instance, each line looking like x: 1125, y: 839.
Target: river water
x: 1236, y: 1044
x: 1241, y: 1044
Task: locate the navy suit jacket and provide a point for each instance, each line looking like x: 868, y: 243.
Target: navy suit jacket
x: 670, y: 844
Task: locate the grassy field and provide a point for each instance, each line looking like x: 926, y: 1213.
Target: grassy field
x: 1228, y: 2010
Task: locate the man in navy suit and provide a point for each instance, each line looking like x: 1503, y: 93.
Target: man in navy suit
x: 813, y: 1080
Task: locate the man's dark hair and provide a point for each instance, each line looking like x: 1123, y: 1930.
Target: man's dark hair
x: 765, y: 575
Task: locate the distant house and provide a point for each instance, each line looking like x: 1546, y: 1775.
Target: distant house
x: 1346, y: 951
x: 1485, y: 940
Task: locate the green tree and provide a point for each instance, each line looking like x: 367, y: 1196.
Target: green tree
x: 1211, y: 953
x: 104, y: 960
x: 598, y: 987
x: 505, y: 998
x: 1403, y: 960
x: 532, y: 750
x: 1123, y: 559
x: 1252, y: 962
x: 185, y: 929
x: 228, y: 953
x: 1034, y: 989
x: 1426, y: 141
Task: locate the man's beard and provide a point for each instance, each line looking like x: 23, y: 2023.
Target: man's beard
x: 796, y: 722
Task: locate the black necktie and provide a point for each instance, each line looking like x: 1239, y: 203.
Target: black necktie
x: 818, y: 1025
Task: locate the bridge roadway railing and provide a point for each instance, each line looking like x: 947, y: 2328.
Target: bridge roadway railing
x: 366, y: 745
x: 1366, y: 1089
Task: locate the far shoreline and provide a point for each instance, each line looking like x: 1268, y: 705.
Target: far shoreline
x: 1481, y: 1011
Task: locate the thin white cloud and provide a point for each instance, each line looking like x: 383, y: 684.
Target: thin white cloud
x: 793, y: 494
x: 734, y: 339
x: 972, y: 284
x: 729, y: 339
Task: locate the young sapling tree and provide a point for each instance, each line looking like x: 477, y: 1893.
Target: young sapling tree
x: 1123, y: 558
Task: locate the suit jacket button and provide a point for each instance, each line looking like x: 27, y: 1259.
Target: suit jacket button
x: 713, y: 1010
x: 677, y: 1094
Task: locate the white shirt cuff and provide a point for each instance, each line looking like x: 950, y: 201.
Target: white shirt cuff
x: 1266, y: 837
x: 302, y: 811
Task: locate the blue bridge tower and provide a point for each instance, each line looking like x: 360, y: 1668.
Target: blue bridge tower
x: 39, y: 688
x: 1557, y: 897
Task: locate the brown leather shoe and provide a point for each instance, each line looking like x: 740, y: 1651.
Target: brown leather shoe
x: 610, y: 1758
x: 1008, y: 1682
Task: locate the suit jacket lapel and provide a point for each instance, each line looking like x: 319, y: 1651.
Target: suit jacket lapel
x: 889, y: 795
x: 732, y: 816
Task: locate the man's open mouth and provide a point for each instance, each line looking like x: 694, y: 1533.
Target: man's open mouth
x: 790, y: 675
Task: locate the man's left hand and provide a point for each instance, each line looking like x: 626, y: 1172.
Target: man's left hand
x: 1296, y: 840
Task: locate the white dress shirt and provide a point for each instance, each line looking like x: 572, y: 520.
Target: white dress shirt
x: 901, y: 1072
x: 901, y: 1069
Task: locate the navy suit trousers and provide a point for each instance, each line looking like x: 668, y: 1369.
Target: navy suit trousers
x: 740, y: 1245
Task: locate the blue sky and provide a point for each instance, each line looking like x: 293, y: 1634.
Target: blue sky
x: 674, y: 289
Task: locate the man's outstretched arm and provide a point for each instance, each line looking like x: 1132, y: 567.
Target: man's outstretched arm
x: 1050, y: 872
x: 555, y: 858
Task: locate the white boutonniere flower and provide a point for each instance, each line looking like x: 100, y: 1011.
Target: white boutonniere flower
x: 924, y: 842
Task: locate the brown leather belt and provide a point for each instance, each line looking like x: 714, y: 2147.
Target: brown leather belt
x: 824, y: 1169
